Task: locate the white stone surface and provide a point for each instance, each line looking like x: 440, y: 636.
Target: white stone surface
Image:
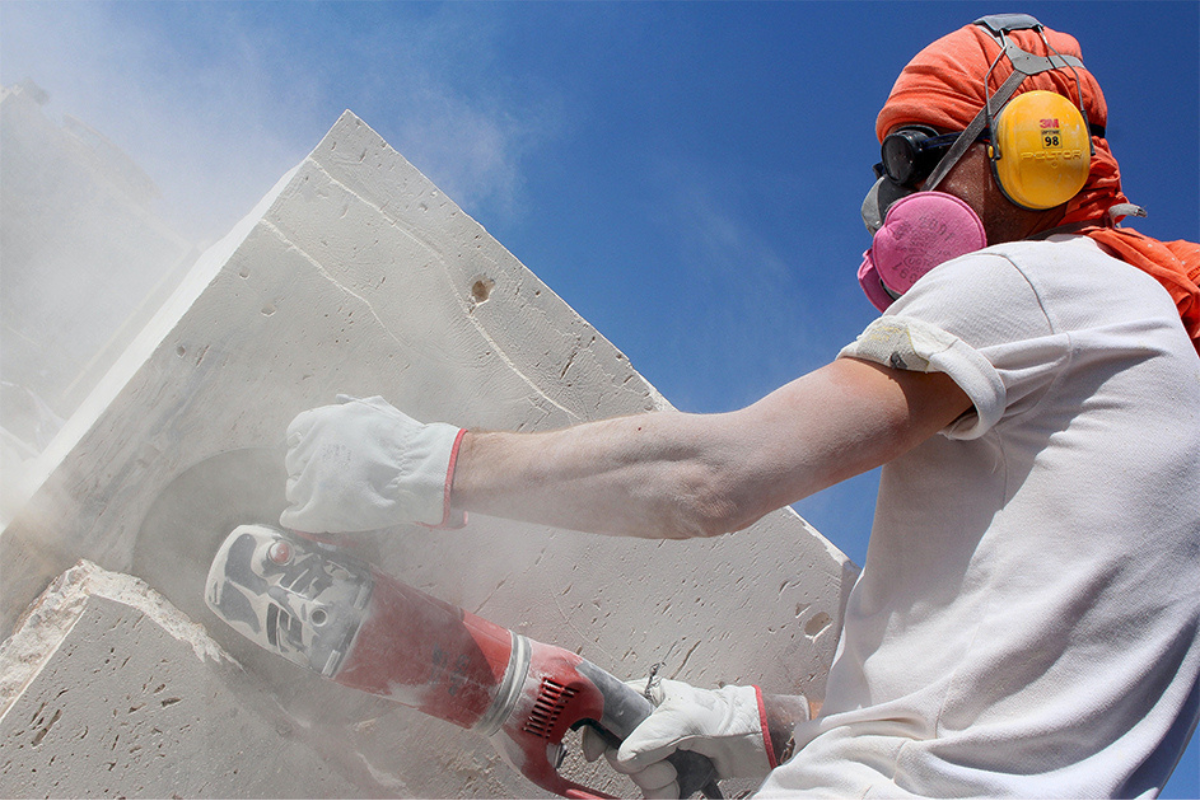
x: 357, y: 275
x: 108, y: 691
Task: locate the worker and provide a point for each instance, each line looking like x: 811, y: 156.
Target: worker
x: 1027, y: 622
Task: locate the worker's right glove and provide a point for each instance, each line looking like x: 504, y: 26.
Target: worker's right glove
x: 362, y: 465
x: 728, y: 725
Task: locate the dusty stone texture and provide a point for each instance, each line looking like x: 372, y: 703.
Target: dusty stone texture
x: 110, y: 692
x: 357, y: 275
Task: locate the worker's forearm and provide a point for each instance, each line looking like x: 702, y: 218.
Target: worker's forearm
x: 783, y: 713
x: 675, y: 475
x: 655, y: 475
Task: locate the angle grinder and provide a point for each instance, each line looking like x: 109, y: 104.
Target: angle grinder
x: 319, y: 607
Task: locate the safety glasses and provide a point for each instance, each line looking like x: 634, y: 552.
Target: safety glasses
x: 911, y: 154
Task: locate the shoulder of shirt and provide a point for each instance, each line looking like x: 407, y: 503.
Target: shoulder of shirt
x: 1060, y: 259
x: 1026, y: 248
x: 1058, y: 252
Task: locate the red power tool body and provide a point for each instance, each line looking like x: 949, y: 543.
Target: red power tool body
x: 326, y: 611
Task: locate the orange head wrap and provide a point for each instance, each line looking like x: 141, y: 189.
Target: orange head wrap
x: 943, y: 87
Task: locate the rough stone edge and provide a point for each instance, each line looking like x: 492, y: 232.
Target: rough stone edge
x: 49, y: 620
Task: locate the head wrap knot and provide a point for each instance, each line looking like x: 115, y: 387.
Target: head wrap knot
x: 943, y: 87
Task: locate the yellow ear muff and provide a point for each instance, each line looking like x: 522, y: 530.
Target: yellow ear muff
x: 1041, y: 150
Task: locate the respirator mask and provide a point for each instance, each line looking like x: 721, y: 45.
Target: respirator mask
x: 920, y: 231
x: 913, y: 231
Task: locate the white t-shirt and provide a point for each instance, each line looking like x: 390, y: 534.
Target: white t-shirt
x: 1028, y: 619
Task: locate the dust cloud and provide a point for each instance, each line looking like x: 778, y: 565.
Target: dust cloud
x: 86, y: 259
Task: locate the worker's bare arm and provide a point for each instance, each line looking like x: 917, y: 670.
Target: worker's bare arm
x: 677, y: 475
x: 782, y: 713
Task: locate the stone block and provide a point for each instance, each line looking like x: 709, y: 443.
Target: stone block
x: 357, y: 275
x: 109, y: 691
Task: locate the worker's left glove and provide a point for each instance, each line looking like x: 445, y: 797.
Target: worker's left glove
x: 362, y: 465
x: 728, y: 725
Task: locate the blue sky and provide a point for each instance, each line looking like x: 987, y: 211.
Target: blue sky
x: 686, y: 175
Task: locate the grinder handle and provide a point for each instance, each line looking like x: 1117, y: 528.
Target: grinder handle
x: 624, y: 709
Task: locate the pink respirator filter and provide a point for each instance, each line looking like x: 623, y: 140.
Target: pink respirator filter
x: 921, y: 230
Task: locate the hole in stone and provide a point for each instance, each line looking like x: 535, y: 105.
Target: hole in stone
x: 268, y: 309
x: 817, y: 624
x: 319, y: 617
x: 180, y: 351
x: 481, y: 290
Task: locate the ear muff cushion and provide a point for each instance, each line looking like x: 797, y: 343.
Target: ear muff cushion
x: 1041, y: 150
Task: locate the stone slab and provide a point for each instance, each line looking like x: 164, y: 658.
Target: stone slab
x: 109, y: 691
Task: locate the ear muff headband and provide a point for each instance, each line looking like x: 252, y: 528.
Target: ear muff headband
x: 1040, y: 150
x: 1024, y: 64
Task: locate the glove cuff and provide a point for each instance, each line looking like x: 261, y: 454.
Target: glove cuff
x: 449, y: 440
x: 768, y: 745
x: 450, y: 520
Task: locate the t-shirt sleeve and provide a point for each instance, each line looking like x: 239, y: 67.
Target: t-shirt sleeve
x: 980, y: 321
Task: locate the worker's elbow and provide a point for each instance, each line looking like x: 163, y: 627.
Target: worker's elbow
x: 708, y: 503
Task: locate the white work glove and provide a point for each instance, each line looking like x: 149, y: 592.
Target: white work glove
x: 726, y: 724
x: 362, y: 465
